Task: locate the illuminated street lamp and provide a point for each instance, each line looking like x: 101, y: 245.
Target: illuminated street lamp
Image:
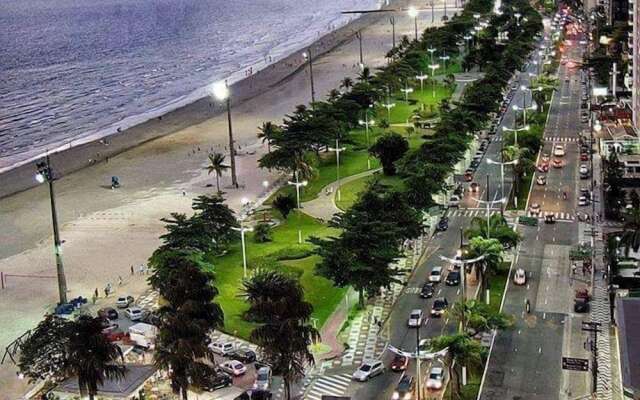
x: 421, y: 78
x: 444, y: 57
x: 309, y: 58
x: 406, y: 90
x: 221, y: 92
x: 515, y: 131
x: 433, y: 68
x: 367, y: 123
x: 298, y: 185
x: 338, y: 150
x: 533, y: 107
x: 502, y: 164
x: 243, y: 230
x: 413, y: 13
x: 45, y: 174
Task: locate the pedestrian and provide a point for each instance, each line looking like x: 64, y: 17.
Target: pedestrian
x: 132, y: 273
x: 119, y: 280
x: 106, y: 291
x: 584, y: 269
x: 141, y: 269
x: 573, y: 269
x: 184, y: 193
x: 95, y: 293
x: 375, y: 320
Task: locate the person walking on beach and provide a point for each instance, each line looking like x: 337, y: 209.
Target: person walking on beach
x: 95, y: 293
x: 132, y: 270
x: 119, y: 280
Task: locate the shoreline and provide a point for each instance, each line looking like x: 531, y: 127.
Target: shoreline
x: 66, y: 161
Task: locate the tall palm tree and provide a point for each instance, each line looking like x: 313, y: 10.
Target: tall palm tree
x: 631, y: 234
x: 346, y: 83
x: 462, y: 350
x: 217, y: 165
x: 91, y: 356
x: 512, y: 153
x: 498, y: 229
x: 268, y: 132
x: 479, y: 317
x: 276, y: 304
x: 492, y: 251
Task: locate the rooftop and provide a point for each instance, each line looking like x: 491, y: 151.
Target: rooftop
x: 134, y: 379
x: 628, y: 319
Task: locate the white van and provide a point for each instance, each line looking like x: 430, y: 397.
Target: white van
x: 222, y: 348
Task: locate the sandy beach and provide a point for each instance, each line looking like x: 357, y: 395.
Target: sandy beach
x: 107, y: 231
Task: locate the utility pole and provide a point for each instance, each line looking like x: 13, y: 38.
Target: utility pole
x: 308, y: 56
x: 392, y: 20
x: 359, y: 36
x: 232, y: 146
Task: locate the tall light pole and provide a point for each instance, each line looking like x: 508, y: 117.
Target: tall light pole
x: 338, y: 150
x: 243, y: 230
x: 489, y: 203
x: 367, y: 123
x: 392, y: 21
x: 359, y: 36
x: 515, y: 131
x: 421, y: 78
x: 502, y: 164
x: 309, y: 58
x: 221, y: 92
x: 407, y: 90
x: 433, y: 68
x: 517, y: 15
x: 45, y: 174
x: 467, y: 38
x: 444, y: 57
x: 413, y: 13
x: 388, y: 105
x: 298, y: 185
x: 463, y: 281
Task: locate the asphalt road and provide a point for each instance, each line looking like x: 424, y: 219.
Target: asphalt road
x: 525, y: 362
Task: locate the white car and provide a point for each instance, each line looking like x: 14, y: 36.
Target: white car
x: 534, y: 210
x: 263, y: 379
x: 436, y: 378
x: 134, y: 313
x: 454, y: 201
x: 541, y: 180
x: 415, y: 318
x: 584, y: 170
x: 367, y: 370
x: 436, y: 275
x: 233, y: 367
x: 124, y: 301
x: 582, y: 201
x: 558, y: 150
x: 222, y: 348
x: 520, y: 277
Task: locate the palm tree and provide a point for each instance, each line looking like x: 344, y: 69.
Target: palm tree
x: 462, y: 350
x: 479, y: 317
x: 384, y: 124
x: 91, y: 356
x: 511, y: 153
x: 217, y: 165
x: 276, y: 304
x: 268, y: 132
x: 346, y: 83
x: 492, y: 251
x: 498, y: 229
x: 631, y: 234
x: 365, y: 75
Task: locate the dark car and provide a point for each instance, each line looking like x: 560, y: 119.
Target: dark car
x: 549, y: 219
x: 453, y: 278
x: 443, y: 224
x: 254, y: 394
x: 399, y: 363
x: 427, y: 291
x: 108, y: 313
x: 581, y: 305
x: 243, y: 355
x: 217, y: 381
x: 151, y: 318
x: 439, y: 306
x: 405, y: 388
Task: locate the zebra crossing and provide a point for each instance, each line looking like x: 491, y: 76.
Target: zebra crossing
x: 471, y: 212
x: 560, y: 139
x: 328, y: 385
x: 600, y: 313
x: 149, y: 300
x: 559, y: 216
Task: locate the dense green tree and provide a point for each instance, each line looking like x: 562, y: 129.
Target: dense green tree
x: 262, y: 233
x: 284, y: 204
x: 389, y: 148
x: 479, y: 317
x: 492, y: 251
x: 498, y: 228
x: 44, y: 354
x: 214, y: 220
x: 183, y: 233
x: 284, y: 333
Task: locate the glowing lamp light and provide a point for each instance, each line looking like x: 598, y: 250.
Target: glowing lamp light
x: 220, y: 90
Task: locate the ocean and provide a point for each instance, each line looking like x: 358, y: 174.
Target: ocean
x: 77, y: 69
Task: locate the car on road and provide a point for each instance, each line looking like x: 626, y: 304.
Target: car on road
x: 453, y: 278
x: 557, y: 163
x: 217, y: 380
x: 558, y: 150
x: 435, y: 275
x: 427, y: 290
x: 436, y: 378
x: 549, y: 219
x: 368, y: 370
x: 222, y: 348
x: 468, y: 175
x: 583, y: 201
x: 108, y: 313
x: 399, y: 363
x: 233, y: 367
x: 545, y: 157
x: 263, y: 379
x: 243, y: 355
x: 124, y: 301
x: 584, y: 157
x: 439, y: 306
x: 584, y: 171
x: 543, y: 167
x: 405, y: 388
x: 454, y: 201
x: 443, y: 224
x: 534, y: 209
x: 581, y: 305
x: 415, y: 318
x: 134, y: 313
x: 541, y: 180
x: 474, y: 187
x: 586, y: 193
x: 519, y: 277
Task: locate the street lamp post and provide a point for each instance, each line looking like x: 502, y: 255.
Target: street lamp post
x: 45, y: 174
x: 444, y: 57
x: 338, y: 150
x: 413, y: 13
x: 533, y: 107
x: 421, y: 78
x: 359, y: 36
x: 367, y: 123
x: 463, y: 268
x: 502, y: 164
x: 298, y: 185
x: 515, y: 131
x: 388, y: 105
x: 221, y: 92
x: 467, y: 38
x: 489, y: 203
x: 433, y: 68
x: 309, y: 57
x: 243, y: 230
x: 406, y: 91
x: 392, y: 21
x: 517, y: 15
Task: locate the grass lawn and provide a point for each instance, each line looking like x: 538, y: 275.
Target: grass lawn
x: 351, y: 190
x: 496, y: 287
x: 228, y: 271
x: 403, y: 110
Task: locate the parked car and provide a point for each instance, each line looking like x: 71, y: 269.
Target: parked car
x: 218, y: 380
x: 443, y: 224
x: 541, y: 180
x: 534, y: 209
x: 427, y: 290
x: 124, y: 301
x: 468, y: 175
x: 399, y: 363
x: 108, y: 313
x: 439, y: 306
x: 520, y: 277
x: 435, y: 275
x: 233, y: 367
x: 580, y: 305
x: 405, y: 388
x: 222, y: 348
x: 582, y: 201
x: 436, y: 378
x: 263, y: 379
x: 558, y: 150
x: 243, y: 355
x: 474, y: 187
x: 584, y: 171
x: 368, y: 370
x: 584, y: 157
x: 453, y: 278
x: 254, y: 394
x: 454, y: 201
x: 134, y: 313
x: 549, y: 219
x: 557, y: 163
x: 415, y: 318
